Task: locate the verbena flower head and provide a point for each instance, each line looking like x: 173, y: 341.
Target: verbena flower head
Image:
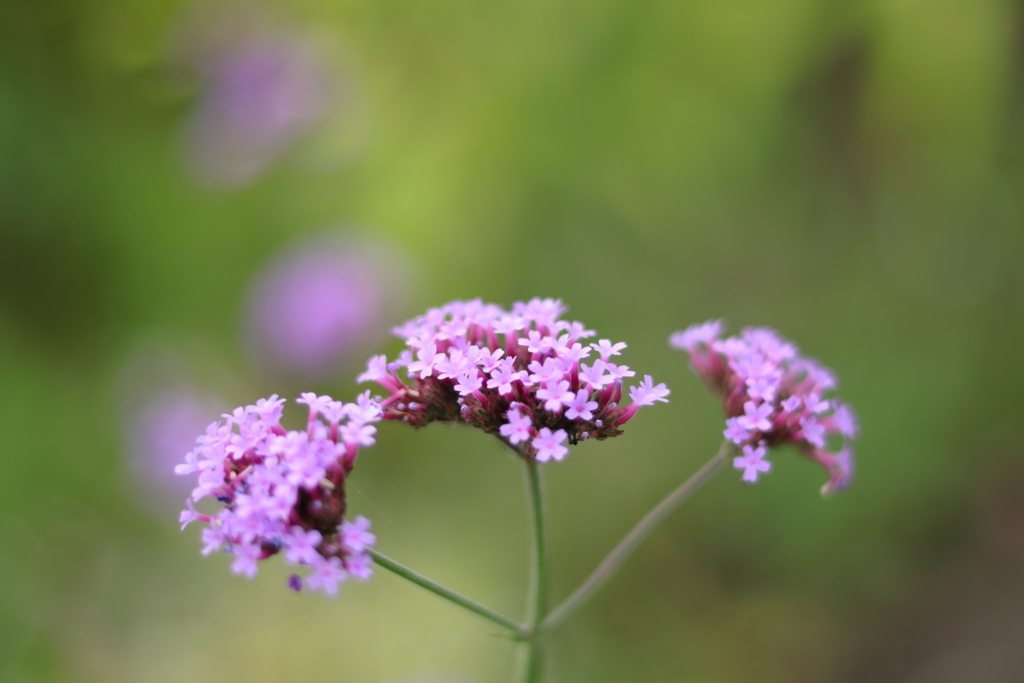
x: 284, y: 491
x: 772, y: 395
x: 524, y: 375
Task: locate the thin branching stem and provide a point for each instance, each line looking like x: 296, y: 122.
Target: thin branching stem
x: 610, y: 564
x: 473, y: 606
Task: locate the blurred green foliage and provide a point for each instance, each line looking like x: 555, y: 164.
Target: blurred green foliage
x: 849, y: 173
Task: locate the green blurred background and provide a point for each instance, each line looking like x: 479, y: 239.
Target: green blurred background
x: 847, y: 172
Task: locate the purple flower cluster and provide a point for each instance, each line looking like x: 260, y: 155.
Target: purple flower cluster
x: 523, y: 375
x: 772, y: 395
x: 285, y: 491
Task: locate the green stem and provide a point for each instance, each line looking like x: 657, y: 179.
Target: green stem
x: 610, y: 564
x: 447, y: 593
x: 537, y: 599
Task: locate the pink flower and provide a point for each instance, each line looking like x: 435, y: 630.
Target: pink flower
x: 736, y: 432
x: 845, y: 421
x: 214, y: 540
x: 606, y: 349
x: 327, y: 574
x: 812, y: 431
x: 468, y: 382
x: 646, y: 394
x: 549, y: 446
x: 359, y: 566
x: 552, y: 369
x: 426, y: 357
x: 555, y: 394
x: 356, y: 536
x: 503, y: 375
x: 619, y: 371
x: 245, y: 559
x: 756, y: 416
x: 580, y: 408
x: 376, y: 369
x: 316, y: 404
x: 594, y: 376
x: 752, y: 462
x: 301, y: 546
x: 518, y: 429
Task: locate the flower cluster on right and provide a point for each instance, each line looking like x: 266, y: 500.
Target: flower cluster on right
x: 771, y: 395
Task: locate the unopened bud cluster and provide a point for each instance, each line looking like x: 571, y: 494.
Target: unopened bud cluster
x: 523, y: 375
x: 772, y: 395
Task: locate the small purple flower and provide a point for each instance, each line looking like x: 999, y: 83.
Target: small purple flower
x: 453, y: 364
x: 606, y: 349
x: 756, y: 416
x: 189, y: 515
x: 792, y: 404
x: 316, y: 404
x: 696, y: 336
x: 619, y: 371
x: 246, y: 556
x: 580, y: 408
x: 845, y: 421
x: 752, y: 462
x: 736, y: 432
x: 356, y: 536
x: 327, y: 574
x: 551, y: 370
x: 376, y: 370
x: 295, y: 582
x: 301, y: 546
x: 518, y: 429
x: 595, y: 376
x: 812, y: 431
x: 468, y: 382
x: 503, y: 375
x: 359, y: 566
x: 426, y: 357
x: 555, y: 394
x: 549, y: 446
x: 214, y: 540
x: 647, y: 394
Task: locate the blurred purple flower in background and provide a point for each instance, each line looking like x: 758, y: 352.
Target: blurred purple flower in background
x: 164, y: 428
x: 162, y: 410
x: 321, y: 301
x: 263, y: 86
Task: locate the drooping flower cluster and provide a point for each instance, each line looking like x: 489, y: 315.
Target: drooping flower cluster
x: 284, y: 492
x: 772, y: 395
x: 523, y: 375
